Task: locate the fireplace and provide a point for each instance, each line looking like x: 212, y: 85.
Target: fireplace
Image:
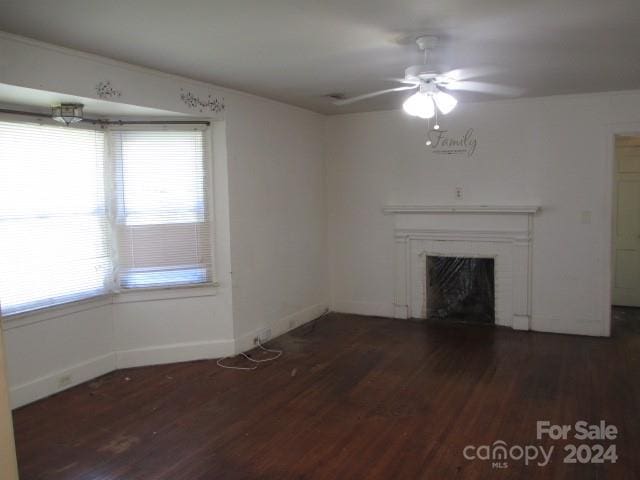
x: 460, y: 289
x: 502, y: 234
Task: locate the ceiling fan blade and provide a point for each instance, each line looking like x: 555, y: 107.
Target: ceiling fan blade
x: 467, y: 73
x: 347, y: 101
x: 483, y: 87
x: 402, y: 80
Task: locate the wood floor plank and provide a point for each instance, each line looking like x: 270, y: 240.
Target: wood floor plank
x: 352, y: 397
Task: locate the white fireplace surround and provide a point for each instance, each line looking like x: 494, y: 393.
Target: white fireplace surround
x: 501, y: 232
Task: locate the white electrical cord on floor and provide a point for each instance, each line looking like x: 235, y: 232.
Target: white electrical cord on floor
x: 219, y: 363
x: 278, y: 353
x: 270, y: 359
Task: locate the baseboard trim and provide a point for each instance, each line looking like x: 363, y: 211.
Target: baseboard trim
x: 588, y: 327
x: 521, y: 322
x: 282, y: 325
x: 154, y: 355
x: 49, y: 384
x: 374, y: 309
x: 172, y: 353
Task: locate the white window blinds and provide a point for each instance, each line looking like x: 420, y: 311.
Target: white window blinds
x: 84, y: 212
x: 53, y: 222
x: 162, y: 219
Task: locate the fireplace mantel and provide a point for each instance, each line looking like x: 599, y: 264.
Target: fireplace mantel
x: 502, y: 232
x: 458, y: 208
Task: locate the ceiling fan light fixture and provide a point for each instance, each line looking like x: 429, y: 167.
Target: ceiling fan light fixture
x: 420, y: 104
x: 445, y: 102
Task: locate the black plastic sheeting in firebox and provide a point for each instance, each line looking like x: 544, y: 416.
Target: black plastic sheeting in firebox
x: 461, y: 289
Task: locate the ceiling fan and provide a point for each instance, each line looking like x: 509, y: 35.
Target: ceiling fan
x: 433, y: 87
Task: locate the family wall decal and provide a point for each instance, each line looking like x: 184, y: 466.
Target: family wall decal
x: 445, y: 143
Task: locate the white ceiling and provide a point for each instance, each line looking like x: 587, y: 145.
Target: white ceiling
x: 298, y: 51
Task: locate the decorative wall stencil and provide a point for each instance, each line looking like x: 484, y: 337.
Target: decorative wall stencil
x: 443, y: 142
x: 215, y: 105
x: 106, y: 91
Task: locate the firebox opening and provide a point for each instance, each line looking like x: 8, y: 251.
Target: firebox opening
x: 461, y: 289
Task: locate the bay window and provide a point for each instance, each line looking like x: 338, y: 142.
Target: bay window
x: 89, y: 212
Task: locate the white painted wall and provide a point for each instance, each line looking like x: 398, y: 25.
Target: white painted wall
x: 75, y: 341
x: 553, y: 151
x: 267, y: 156
x: 278, y: 217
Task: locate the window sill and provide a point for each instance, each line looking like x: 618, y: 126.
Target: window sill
x: 165, y: 293
x: 55, y: 311
x: 125, y: 296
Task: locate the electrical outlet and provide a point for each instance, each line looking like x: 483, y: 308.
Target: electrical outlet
x: 263, y: 336
x: 459, y: 193
x: 64, y: 381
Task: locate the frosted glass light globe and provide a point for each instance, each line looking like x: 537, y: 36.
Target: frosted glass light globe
x: 445, y: 102
x: 419, y: 105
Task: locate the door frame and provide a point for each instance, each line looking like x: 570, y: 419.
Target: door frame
x: 611, y: 131
x: 8, y: 464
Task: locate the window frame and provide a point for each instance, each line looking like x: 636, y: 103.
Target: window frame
x: 116, y: 294
x: 208, y: 192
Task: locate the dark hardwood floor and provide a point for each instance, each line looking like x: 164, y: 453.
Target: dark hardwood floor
x: 352, y: 398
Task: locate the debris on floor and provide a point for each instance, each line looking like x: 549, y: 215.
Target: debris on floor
x: 120, y: 444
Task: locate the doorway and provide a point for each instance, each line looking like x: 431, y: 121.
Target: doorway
x: 625, y: 292
x: 626, y: 259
